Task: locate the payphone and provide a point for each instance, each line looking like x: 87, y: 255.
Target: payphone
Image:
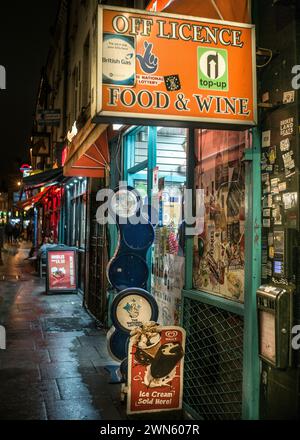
x: 275, y: 312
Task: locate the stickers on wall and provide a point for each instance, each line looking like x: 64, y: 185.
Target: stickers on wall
x: 267, y: 212
x: 288, y: 97
x: 266, y: 138
x: 287, y: 127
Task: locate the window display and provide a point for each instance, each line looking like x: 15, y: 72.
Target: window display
x: 219, y: 247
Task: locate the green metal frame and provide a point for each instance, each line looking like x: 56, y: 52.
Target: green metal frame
x: 250, y: 410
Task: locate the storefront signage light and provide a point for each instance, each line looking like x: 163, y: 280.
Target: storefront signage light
x: 173, y: 68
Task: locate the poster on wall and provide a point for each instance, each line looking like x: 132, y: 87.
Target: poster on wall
x: 167, y: 275
x: 141, y: 75
x: 61, y: 270
x: 155, y: 369
x: 219, y: 248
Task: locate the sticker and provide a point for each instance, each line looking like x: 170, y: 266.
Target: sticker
x: 266, y: 223
x: 272, y: 155
x: 265, y: 97
x: 118, y: 59
x: 270, y: 239
x: 172, y: 83
x: 267, y: 212
x: 277, y: 216
x: 267, y: 201
x: 269, y: 168
x: 271, y: 252
x: 149, y: 80
x: 288, y: 97
x: 274, y: 186
x: 266, y: 138
x: 282, y: 186
x: 290, y: 200
x: 285, y: 145
x: 265, y: 177
x: 287, y: 127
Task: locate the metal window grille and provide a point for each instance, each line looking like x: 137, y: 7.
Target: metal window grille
x: 213, y: 361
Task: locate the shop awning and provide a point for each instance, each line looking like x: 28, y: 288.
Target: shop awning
x: 54, y: 175
x: 88, y: 154
x: 28, y: 203
x: 228, y: 10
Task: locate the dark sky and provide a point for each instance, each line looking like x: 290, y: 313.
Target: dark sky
x: 24, y: 41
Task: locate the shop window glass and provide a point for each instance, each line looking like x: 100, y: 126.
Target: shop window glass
x: 140, y: 146
x: 168, y: 251
x: 82, y: 221
x: 219, y: 247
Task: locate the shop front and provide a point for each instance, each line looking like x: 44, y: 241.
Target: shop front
x: 189, y: 147
x: 87, y: 167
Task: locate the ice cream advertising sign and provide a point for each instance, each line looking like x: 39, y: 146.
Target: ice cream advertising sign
x: 155, y: 369
x: 61, y: 270
x: 168, y: 67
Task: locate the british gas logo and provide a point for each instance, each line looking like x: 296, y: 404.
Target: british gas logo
x: 212, y: 69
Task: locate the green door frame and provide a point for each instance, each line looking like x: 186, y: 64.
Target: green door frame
x: 250, y: 404
x: 130, y: 169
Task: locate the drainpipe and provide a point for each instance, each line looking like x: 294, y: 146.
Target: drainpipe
x: 66, y: 66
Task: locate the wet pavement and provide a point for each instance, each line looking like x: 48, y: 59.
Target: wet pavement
x: 53, y: 367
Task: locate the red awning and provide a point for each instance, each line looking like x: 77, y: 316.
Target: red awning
x: 34, y: 199
x: 228, y: 10
x: 88, y: 157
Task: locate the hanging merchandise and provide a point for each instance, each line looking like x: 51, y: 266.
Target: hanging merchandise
x: 130, y: 309
x: 128, y: 271
x: 128, y: 267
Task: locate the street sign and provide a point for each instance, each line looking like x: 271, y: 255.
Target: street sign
x: 48, y: 117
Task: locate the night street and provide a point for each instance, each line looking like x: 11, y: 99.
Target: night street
x: 149, y: 215
x: 53, y: 367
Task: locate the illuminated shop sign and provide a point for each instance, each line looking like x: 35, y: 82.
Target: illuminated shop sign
x: 166, y: 67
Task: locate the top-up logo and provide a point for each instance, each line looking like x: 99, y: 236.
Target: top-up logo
x: 213, y: 69
x: 148, y: 61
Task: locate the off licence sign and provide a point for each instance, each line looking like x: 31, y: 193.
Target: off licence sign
x: 162, y: 66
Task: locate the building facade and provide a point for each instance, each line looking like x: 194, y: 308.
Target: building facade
x: 207, y: 282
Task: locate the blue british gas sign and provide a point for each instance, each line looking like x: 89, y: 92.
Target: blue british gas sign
x: 118, y: 59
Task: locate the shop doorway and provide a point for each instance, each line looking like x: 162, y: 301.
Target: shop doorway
x: 220, y: 265
x: 155, y: 164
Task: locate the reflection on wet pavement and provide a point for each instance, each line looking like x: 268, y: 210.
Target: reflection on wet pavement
x: 53, y: 367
